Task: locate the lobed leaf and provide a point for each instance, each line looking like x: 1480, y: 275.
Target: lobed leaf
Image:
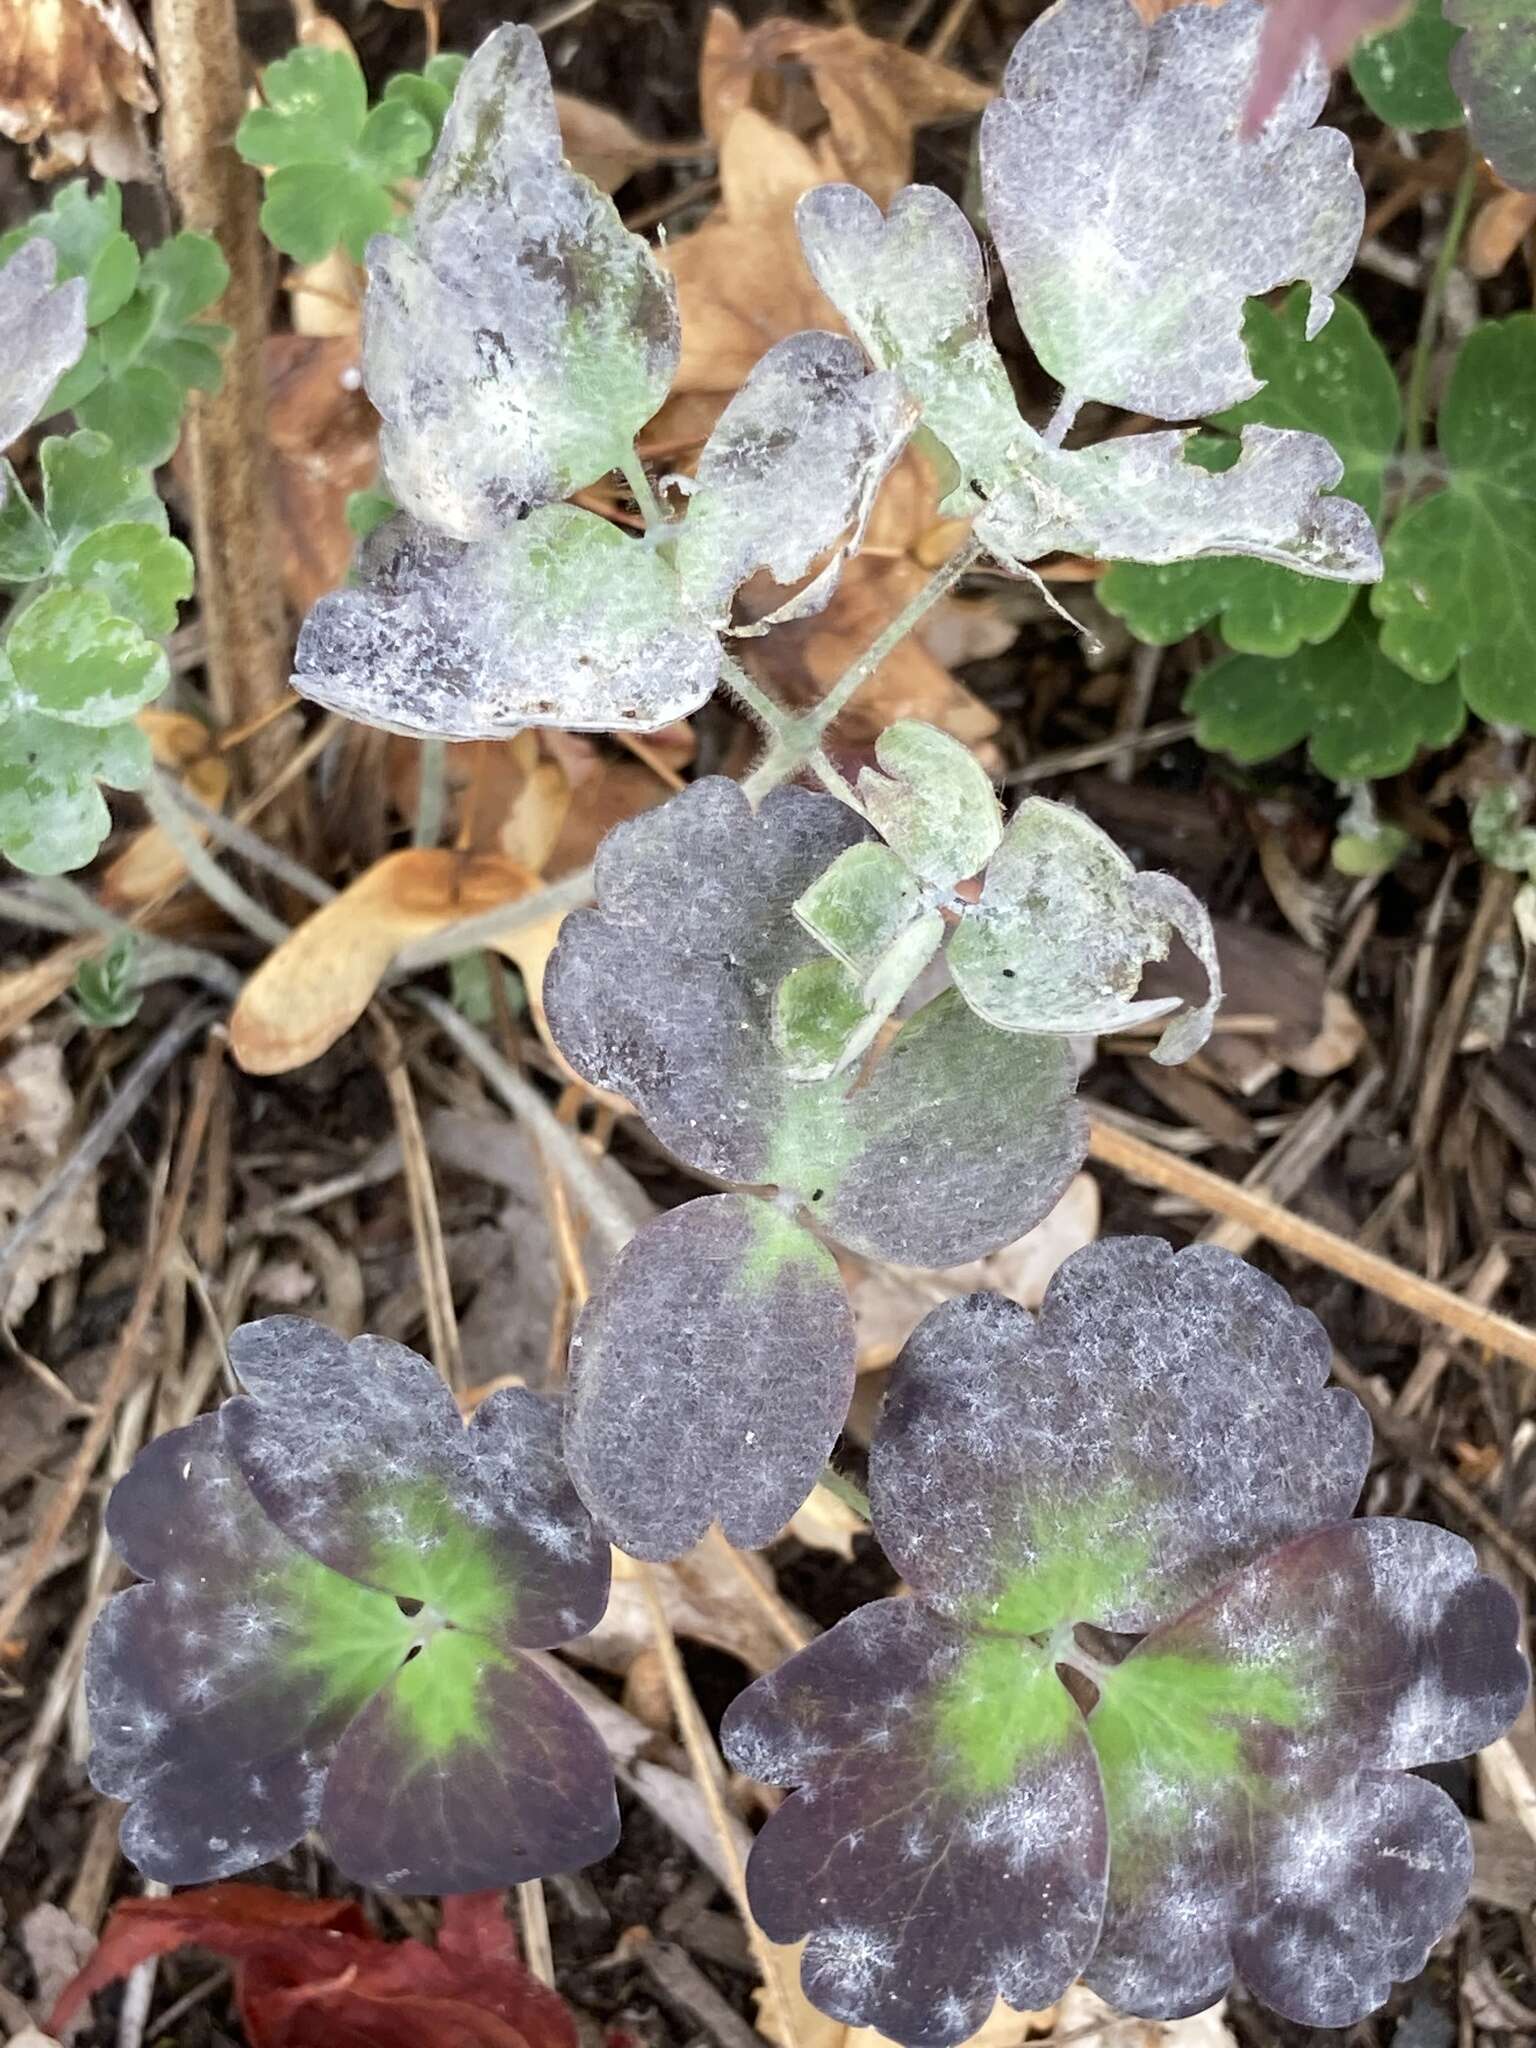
x: 790, y: 470
x: 515, y: 352
x: 1402, y: 72
x: 87, y: 485
x: 71, y: 657
x: 1360, y: 715
x: 1132, y: 221
x: 1339, y: 385
x: 932, y: 802
x: 957, y: 1141
x: 251, y: 1687
x: 710, y: 1375
x: 1063, y: 929
x: 1456, y: 595
x: 863, y: 903
x: 913, y: 288
x: 563, y: 620
x: 42, y: 333
x: 868, y: 911
x: 155, y: 349
x: 86, y: 231
x: 430, y: 90
x: 53, y: 816
x: 1162, y: 1420
x: 1493, y: 70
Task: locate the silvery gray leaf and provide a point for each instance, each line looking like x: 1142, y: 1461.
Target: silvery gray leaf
x: 1063, y: 929
x: 790, y: 470
x: 1139, y: 500
x: 518, y: 348
x: 565, y: 621
x: 1134, y: 222
x: 913, y: 288
x: 42, y: 334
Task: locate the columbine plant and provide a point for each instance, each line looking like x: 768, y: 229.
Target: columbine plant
x: 1000, y: 1786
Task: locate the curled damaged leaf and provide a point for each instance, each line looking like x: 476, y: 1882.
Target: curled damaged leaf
x: 957, y: 1140
x: 1140, y: 499
x: 710, y: 1375
x: 964, y: 1829
x: 339, y: 1577
x: 1064, y: 927
x: 42, y: 334
x: 932, y: 802
x: 1132, y: 222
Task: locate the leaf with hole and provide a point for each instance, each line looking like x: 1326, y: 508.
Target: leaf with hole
x: 340, y: 1577
x: 1133, y: 222
x: 1127, y: 1461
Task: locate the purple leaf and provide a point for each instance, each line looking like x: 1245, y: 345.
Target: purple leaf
x: 42, y: 334
x: 710, y: 1376
x: 947, y: 1845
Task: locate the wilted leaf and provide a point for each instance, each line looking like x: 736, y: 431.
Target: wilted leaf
x: 339, y: 1579
x: 1493, y: 69
x: 710, y: 1374
x: 74, y: 83
x: 314, y: 987
x: 1341, y: 386
x: 1402, y: 73
x: 1133, y: 223
x: 42, y: 332
x: 1455, y: 595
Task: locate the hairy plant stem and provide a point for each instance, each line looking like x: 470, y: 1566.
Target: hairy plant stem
x: 431, y: 793
x: 1059, y: 425
x: 223, y: 889
x: 1415, y: 400
x: 646, y: 501
x: 250, y: 845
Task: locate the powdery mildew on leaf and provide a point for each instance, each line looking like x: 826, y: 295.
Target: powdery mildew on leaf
x: 1249, y: 1752
x: 956, y: 1142
x: 53, y: 817
x: 932, y: 1869
x: 1163, y: 1418
x: 789, y: 471
x: 1137, y: 499
x: 518, y: 348
x: 1493, y: 69
x: 339, y: 1577
x: 42, y: 334
x: 563, y: 620
x: 913, y: 288
x: 932, y: 801
x: 710, y: 1375
x: 1063, y: 929
x: 1133, y: 222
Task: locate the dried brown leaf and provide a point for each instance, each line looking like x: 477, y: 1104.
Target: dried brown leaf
x: 601, y: 144
x: 325, y: 443
x: 75, y: 85
x: 150, y: 864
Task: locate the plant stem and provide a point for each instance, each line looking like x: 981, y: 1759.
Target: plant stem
x: 1059, y: 425
x: 470, y: 932
x: 431, y: 793
x: 1414, y: 403
x: 640, y: 490
x: 205, y: 870
x: 249, y: 845
x: 772, y: 717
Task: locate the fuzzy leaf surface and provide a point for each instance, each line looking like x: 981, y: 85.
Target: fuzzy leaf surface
x: 42, y: 334
x: 563, y: 620
x: 1361, y: 717
x: 710, y: 1375
x: 516, y: 350
x: 1339, y: 385
x: 267, y: 1675
x: 790, y: 470
x: 53, y: 816
x: 1133, y: 222
x: 1493, y: 69
x: 932, y: 802
x: 1403, y: 72
x: 912, y: 285
x: 956, y: 1142
x: 1065, y: 926
x: 1457, y: 594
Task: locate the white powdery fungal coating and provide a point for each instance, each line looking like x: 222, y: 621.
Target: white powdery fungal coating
x: 1002, y: 1430
x: 42, y: 334
x: 1132, y: 219
x: 1139, y: 500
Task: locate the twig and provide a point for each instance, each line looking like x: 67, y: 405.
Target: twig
x: 431, y: 792
x: 1068, y: 760
x: 1493, y: 908
x: 709, y: 1774
x: 251, y: 846
x: 533, y: 1920
x: 222, y: 888
x: 25, y: 1765
x: 421, y: 1201
x: 1152, y: 1164
x: 470, y: 933
x: 769, y: 1603
x: 1429, y: 313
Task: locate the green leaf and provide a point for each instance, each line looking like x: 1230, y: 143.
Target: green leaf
x: 52, y: 815
x: 143, y: 574
x: 1499, y: 831
x: 87, y: 231
x: 139, y: 412
x: 860, y: 906
x: 26, y: 545
x: 821, y: 1022
x: 1339, y: 385
x: 310, y: 208
x: 87, y: 484
x: 430, y: 90
x: 316, y: 103
x: 190, y: 272
x: 368, y: 510
x: 1363, y: 718
x: 154, y: 350
x: 1403, y: 74
x: 933, y: 802
x: 74, y: 659
x: 1494, y: 74
x: 1458, y: 589
x: 106, y: 988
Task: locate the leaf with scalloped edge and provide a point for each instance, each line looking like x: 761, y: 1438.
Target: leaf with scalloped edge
x: 868, y: 911
x: 1402, y: 73
x: 85, y: 229
x: 1493, y: 69
x: 1339, y: 385
x: 340, y: 1575
x: 1140, y: 1446
x: 42, y: 334
x: 955, y: 1142
x: 156, y: 349
x: 516, y: 350
x: 53, y: 816
x: 932, y: 802
x: 74, y: 658
x: 789, y: 472
x: 913, y: 287
x: 1132, y: 221
x: 1063, y: 929
x: 710, y: 1375
x: 563, y: 620
x: 1253, y: 1753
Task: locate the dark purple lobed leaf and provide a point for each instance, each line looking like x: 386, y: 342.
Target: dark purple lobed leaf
x: 710, y: 1375
x: 1161, y: 1421
x: 947, y: 1845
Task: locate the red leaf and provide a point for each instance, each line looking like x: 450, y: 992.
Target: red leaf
x: 311, y: 1974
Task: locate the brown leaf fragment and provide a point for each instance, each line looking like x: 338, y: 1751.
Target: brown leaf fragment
x: 601, y: 144
x: 75, y: 85
x: 150, y: 864
x: 325, y: 444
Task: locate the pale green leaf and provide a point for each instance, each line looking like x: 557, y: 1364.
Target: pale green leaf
x: 933, y: 802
